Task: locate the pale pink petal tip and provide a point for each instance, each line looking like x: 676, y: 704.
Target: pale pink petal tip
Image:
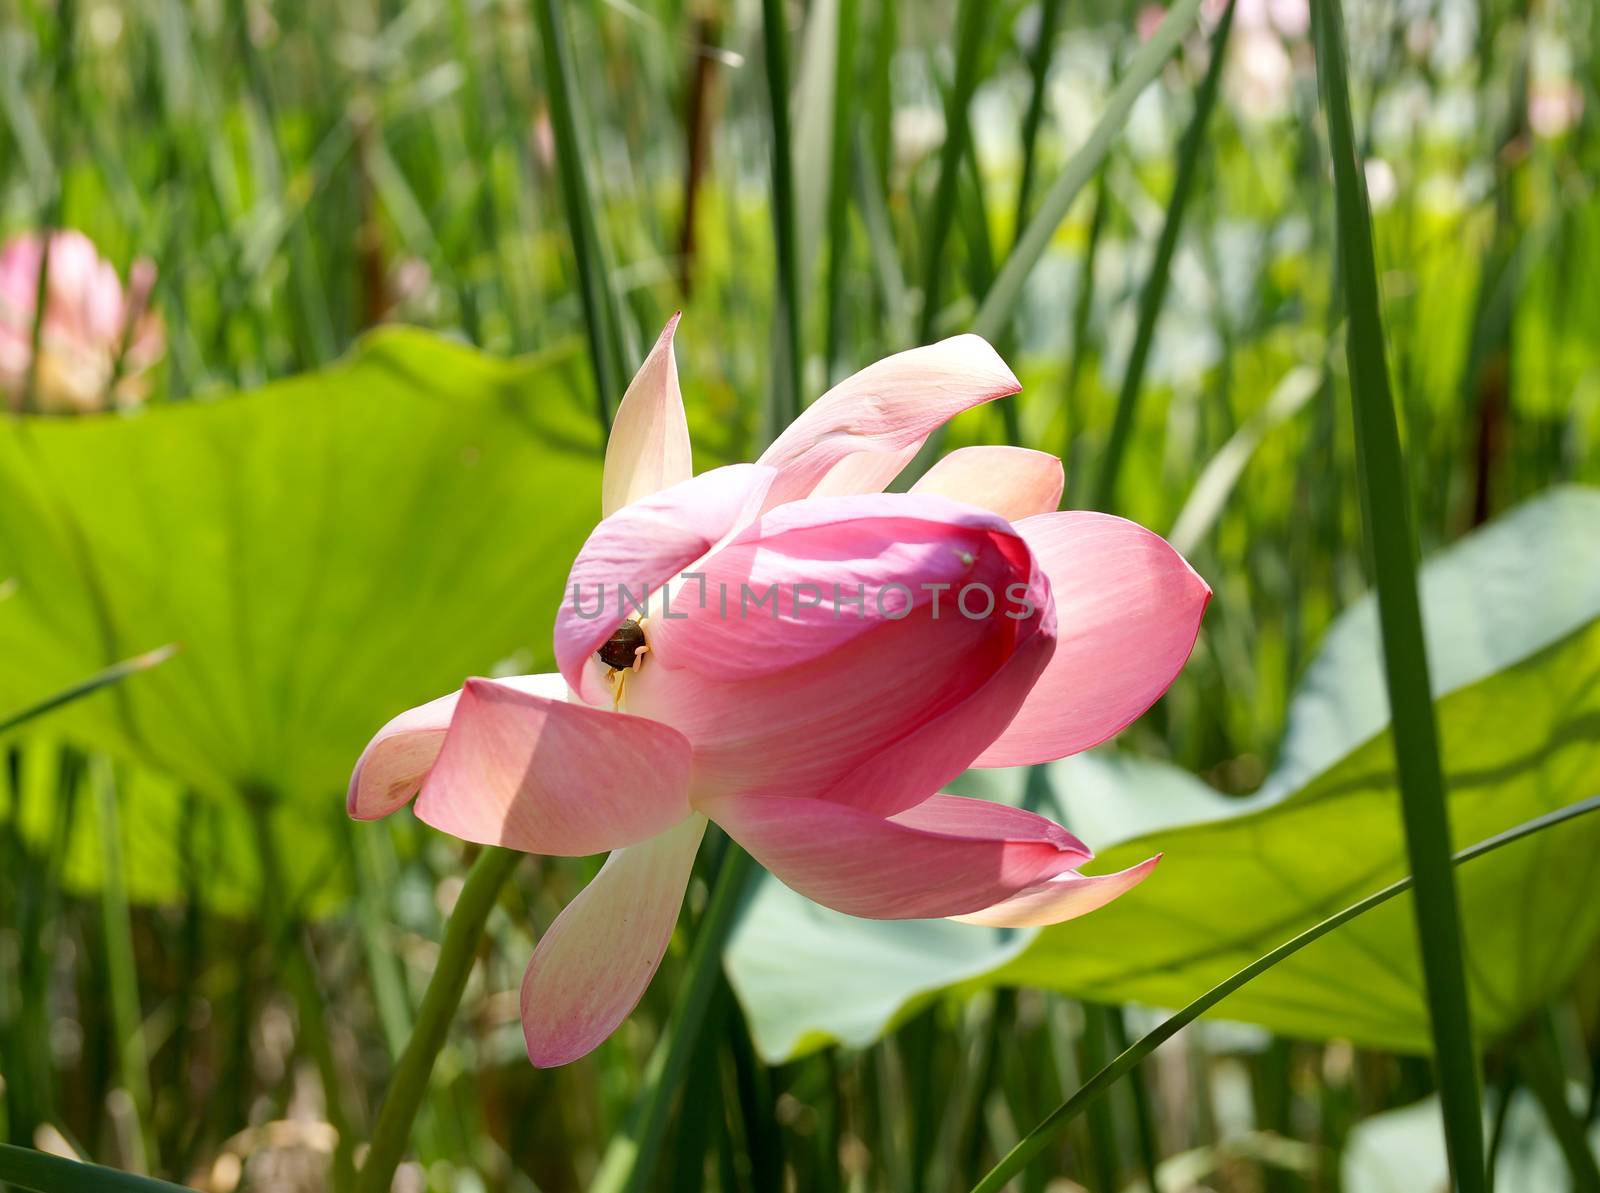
x: 391, y: 769
x: 1060, y: 898
x: 648, y: 449
x: 593, y: 965
x: 859, y: 435
x: 1014, y: 482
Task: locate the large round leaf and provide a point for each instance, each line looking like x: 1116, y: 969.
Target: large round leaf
x: 326, y: 550
x: 1513, y: 623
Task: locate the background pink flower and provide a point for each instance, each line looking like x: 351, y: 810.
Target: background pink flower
x: 96, y: 340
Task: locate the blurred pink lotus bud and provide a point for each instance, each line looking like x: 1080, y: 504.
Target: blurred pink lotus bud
x: 1292, y: 18
x: 96, y: 339
x: 1149, y: 20
x: 1554, y: 106
x: 1260, y: 78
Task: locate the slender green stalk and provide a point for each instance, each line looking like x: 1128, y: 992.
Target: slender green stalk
x: 839, y: 178
x: 52, y: 181
x: 409, y: 1084
x: 1091, y: 1090
x: 1386, y: 512
x: 970, y: 23
x: 631, y: 1156
x: 133, y: 1065
x: 1143, y: 1122
x: 1001, y: 300
x: 1102, y: 1125
x: 763, y: 1139
x: 1082, y: 308
x: 113, y: 674
x: 1039, y: 69
x: 372, y: 858
x: 784, y: 401
x: 28, y: 1065
x: 41, y: 290
x: 309, y: 310
x: 1155, y: 283
x: 880, y: 92
x: 288, y: 946
x: 601, y: 316
x: 1540, y: 1062
x: 1497, y: 1131
x: 896, y: 325
x: 39, y: 1172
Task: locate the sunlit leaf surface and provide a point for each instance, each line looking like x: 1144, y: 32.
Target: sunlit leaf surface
x: 327, y: 551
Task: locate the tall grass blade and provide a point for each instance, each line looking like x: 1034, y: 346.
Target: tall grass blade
x: 1039, y: 69
x: 839, y: 175
x: 1155, y: 284
x: 601, y: 315
x: 1091, y: 1090
x: 891, y: 278
x: 1143, y: 1119
x: 784, y: 400
x: 1102, y: 1127
x: 1386, y: 512
x: 969, y: 32
x: 1217, y: 479
x: 1002, y: 298
x: 38, y: 1172
x: 291, y: 958
x: 133, y: 1063
x: 113, y: 674
x: 1083, y: 304
x: 1540, y: 1062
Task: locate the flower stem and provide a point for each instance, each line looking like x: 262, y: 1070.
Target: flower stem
x: 631, y: 1155
x: 409, y: 1083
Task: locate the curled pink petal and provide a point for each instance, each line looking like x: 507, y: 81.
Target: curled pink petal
x: 948, y: 856
x: 766, y: 601
x: 1014, y: 482
x: 649, y: 445
x: 1060, y: 898
x: 594, y: 963
x: 856, y: 437
x: 948, y: 741
x: 639, y: 548
x: 877, y: 703
x: 391, y: 769
x: 548, y: 776
x: 1128, y: 610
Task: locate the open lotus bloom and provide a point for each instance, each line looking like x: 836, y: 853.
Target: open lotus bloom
x: 95, y: 339
x: 814, y: 660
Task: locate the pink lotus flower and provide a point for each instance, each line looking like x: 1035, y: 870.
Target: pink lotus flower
x: 90, y: 325
x: 990, y: 630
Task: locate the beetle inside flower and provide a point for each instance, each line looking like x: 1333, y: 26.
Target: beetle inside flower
x: 817, y: 733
